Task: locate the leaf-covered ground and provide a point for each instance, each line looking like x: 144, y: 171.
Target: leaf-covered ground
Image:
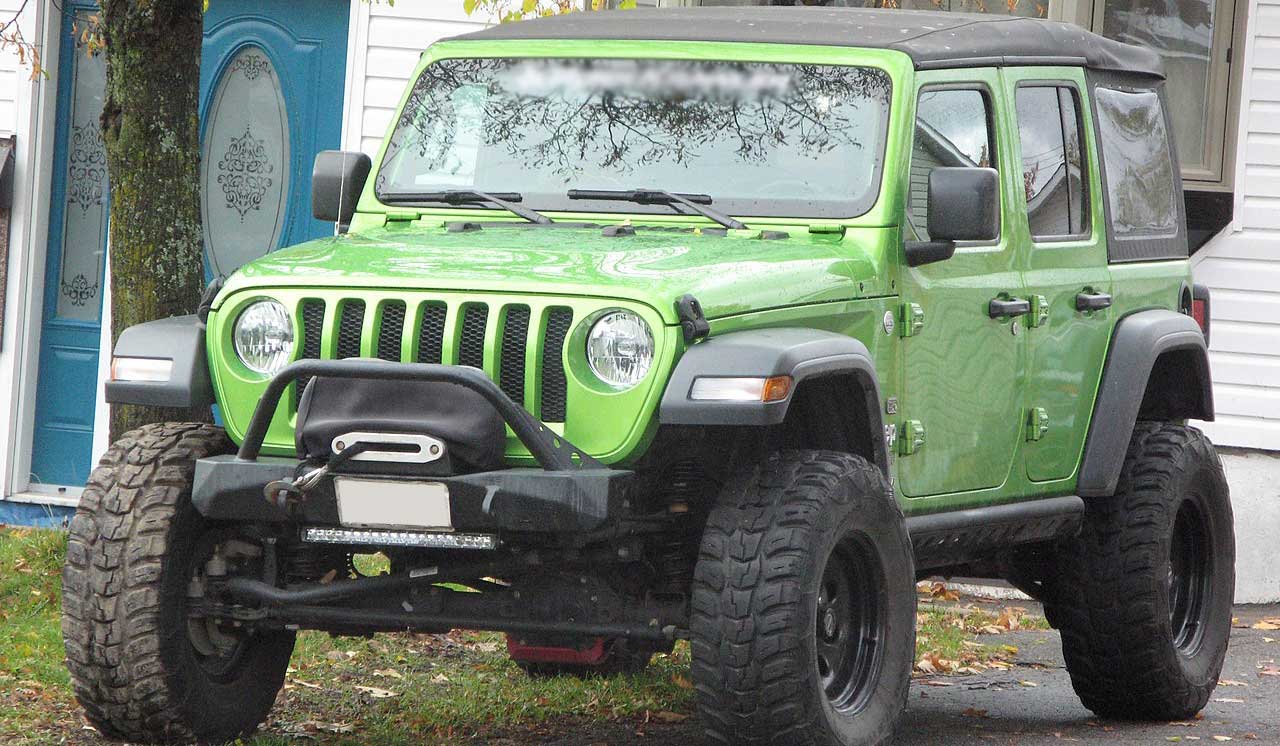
x: 394, y: 689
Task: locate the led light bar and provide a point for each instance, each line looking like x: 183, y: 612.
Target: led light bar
x: 429, y: 539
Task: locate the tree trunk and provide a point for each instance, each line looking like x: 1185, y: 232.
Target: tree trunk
x: 150, y: 122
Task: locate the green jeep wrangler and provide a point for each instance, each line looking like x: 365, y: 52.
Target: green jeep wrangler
x: 719, y: 325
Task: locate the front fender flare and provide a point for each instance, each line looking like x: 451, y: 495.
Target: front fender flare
x: 1136, y: 344
x: 796, y: 352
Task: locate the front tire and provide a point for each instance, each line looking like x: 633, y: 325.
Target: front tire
x: 144, y: 668
x: 1145, y: 590
x: 803, y: 623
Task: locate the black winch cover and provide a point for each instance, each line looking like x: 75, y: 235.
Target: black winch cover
x: 473, y: 431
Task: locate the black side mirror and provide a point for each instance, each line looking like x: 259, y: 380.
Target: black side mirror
x: 336, y: 182
x: 964, y: 205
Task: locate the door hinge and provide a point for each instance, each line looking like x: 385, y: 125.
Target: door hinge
x: 911, y: 438
x: 1037, y: 423
x: 1039, y: 311
x: 911, y: 319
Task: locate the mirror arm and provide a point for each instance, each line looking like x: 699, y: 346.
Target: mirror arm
x: 927, y: 252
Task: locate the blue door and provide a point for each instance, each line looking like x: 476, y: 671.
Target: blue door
x: 74, y: 270
x: 271, y: 87
x: 271, y: 97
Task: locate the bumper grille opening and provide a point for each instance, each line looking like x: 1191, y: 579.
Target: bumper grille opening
x: 390, y: 331
x: 350, y: 326
x: 471, y: 342
x: 515, y: 339
x: 554, y: 383
x: 431, y: 333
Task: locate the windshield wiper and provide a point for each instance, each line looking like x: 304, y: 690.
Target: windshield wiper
x: 505, y: 200
x: 696, y: 202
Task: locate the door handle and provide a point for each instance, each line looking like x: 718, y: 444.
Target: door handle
x: 1093, y: 301
x: 1003, y: 308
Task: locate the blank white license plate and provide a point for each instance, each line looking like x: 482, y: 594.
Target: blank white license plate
x: 382, y: 503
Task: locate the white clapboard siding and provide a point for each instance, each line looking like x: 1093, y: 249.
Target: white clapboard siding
x: 14, y: 76
x: 389, y: 42
x: 1242, y: 265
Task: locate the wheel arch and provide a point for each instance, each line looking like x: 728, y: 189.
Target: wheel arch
x: 825, y: 367
x: 1157, y: 368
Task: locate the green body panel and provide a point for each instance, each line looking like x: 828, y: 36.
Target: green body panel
x: 968, y: 381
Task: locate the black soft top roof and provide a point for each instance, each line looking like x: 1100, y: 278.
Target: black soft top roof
x: 933, y: 39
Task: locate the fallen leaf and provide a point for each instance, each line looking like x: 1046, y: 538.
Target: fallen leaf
x: 388, y: 672
x: 974, y: 712
x: 1269, y: 625
x: 307, y: 684
x: 1222, y: 738
x: 1229, y: 700
x: 935, y: 682
x: 669, y: 717
x: 439, y: 679
x: 377, y: 693
x: 1229, y: 682
x: 1028, y: 683
x: 1269, y: 671
x: 1268, y: 639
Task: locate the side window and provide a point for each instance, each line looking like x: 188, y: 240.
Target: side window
x: 953, y: 128
x: 1053, y: 176
x: 1141, y: 191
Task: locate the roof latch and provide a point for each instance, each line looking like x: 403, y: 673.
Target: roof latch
x: 692, y: 322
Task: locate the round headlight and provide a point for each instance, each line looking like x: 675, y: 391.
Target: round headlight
x: 620, y: 349
x: 264, y: 337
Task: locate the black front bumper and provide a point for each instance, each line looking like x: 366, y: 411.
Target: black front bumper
x: 526, y: 500
x: 570, y: 492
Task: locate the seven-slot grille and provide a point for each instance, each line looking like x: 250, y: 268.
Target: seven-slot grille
x: 427, y: 343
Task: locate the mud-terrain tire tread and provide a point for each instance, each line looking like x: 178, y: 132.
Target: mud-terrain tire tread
x: 1116, y: 637
x: 746, y: 589
x: 111, y: 627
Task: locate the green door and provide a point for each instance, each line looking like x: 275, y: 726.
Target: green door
x: 1059, y: 219
x: 964, y: 371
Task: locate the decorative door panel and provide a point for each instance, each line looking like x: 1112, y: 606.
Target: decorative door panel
x: 245, y: 178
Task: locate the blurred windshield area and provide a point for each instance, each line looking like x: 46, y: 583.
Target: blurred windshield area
x: 762, y: 139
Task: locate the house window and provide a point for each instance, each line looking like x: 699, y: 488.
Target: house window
x: 1193, y: 38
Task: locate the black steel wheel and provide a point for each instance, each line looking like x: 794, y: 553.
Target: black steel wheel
x: 1190, y: 573
x: 850, y: 625
x: 1143, y: 594
x: 803, y: 624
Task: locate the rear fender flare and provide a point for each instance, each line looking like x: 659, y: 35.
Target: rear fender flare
x: 1138, y: 342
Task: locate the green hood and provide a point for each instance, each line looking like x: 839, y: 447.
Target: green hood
x: 728, y: 274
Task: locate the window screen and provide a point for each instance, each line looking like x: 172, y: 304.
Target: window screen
x: 952, y: 129
x: 1052, y: 156
x: 1141, y: 191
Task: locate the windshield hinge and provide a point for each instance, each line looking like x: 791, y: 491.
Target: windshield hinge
x: 692, y: 322
x: 830, y: 229
x: 401, y: 216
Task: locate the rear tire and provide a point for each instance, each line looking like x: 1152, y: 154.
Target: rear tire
x: 141, y: 667
x: 803, y: 623
x: 1145, y: 591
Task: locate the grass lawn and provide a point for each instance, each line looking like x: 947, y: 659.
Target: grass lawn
x: 407, y: 688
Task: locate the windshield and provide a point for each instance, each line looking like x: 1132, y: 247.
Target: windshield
x: 759, y: 139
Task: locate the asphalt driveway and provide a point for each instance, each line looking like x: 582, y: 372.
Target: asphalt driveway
x: 1033, y: 704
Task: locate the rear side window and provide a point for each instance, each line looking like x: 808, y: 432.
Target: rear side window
x: 1052, y: 157
x: 1141, y: 191
x: 953, y: 128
